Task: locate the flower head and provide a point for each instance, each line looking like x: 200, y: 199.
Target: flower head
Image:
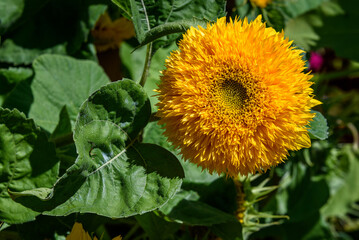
x: 261, y: 3
x: 234, y: 97
x: 110, y: 34
x: 78, y: 233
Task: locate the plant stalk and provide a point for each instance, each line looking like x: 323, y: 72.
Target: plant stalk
x: 146, y: 67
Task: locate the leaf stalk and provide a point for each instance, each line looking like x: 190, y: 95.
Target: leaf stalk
x: 146, y: 67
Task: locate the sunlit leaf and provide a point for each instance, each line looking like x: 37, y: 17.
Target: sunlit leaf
x: 171, y: 16
x: 58, y: 81
x: 27, y: 161
x: 141, y: 177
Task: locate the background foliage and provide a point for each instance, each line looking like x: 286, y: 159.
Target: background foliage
x: 76, y: 145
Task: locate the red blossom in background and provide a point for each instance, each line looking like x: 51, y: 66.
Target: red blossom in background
x: 315, y: 61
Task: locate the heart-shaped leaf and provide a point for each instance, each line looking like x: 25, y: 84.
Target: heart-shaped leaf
x: 112, y: 170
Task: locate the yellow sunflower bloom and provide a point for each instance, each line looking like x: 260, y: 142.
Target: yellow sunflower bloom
x: 261, y: 3
x: 234, y: 97
x: 78, y: 233
x: 110, y: 34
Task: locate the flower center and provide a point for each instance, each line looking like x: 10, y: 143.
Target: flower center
x: 232, y: 94
x: 236, y: 95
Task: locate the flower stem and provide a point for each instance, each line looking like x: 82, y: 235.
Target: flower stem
x: 146, y: 67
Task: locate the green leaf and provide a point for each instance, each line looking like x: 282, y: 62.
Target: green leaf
x: 123, y: 103
x: 11, y: 76
x: 301, y: 31
x: 298, y: 7
x: 11, y: 52
x: 156, y: 227
x: 185, y: 207
x: 228, y: 231
x: 60, y: 81
x: 15, y: 75
x: 149, y: 14
x: 153, y: 133
x: 124, y: 7
x: 344, y: 186
x: 198, y: 213
x: 318, y: 127
x: 63, y: 128
x: 141, y: 177
x: 20, y: 97
x: 10, y: 11
x: 27, y: 161
x: 60, y: 27
x: 180, y: 196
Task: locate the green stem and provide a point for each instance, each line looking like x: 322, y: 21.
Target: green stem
x: 131, y: 232
x: 146, y: 67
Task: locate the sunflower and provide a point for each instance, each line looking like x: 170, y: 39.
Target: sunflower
x: 234, y: 97
x: 261, y: 3
x: 110, y: 34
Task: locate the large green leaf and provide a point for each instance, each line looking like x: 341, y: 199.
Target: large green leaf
x: 153, y: 19
x: 60, y: 81
x: 27, y: 161
x: 140, y: 177
x: 61, y: 27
